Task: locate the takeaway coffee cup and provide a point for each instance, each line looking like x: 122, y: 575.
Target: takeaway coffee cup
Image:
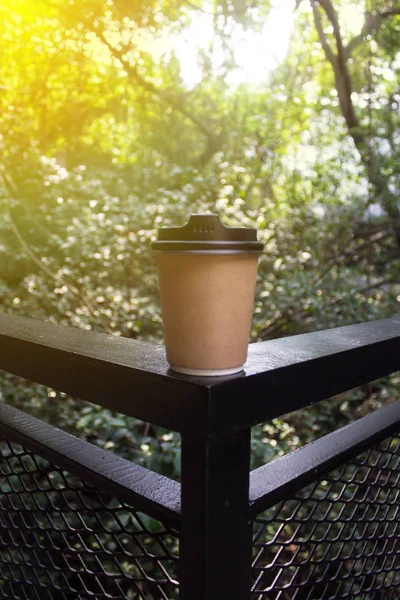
x: 207, y: 275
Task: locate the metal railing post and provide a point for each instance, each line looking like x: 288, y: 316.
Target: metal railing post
x: 215, y: 548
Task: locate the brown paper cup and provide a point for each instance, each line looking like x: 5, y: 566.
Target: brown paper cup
x: 207, y: 305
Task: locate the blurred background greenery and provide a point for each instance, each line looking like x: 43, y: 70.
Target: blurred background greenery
x: 120, y: 116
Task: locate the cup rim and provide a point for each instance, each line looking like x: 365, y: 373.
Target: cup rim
x: 255, y: 252
x: 206, y: 246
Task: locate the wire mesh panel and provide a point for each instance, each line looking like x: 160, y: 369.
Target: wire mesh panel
x: 339, y: 537
x: 60, y: 538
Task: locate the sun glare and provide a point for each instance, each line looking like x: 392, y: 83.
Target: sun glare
x: 256, y: 54
x: 351, y: 18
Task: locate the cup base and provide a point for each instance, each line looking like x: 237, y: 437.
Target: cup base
x: 207, y: 372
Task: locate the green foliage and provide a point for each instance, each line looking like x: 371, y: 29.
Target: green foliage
x: 102, y: 142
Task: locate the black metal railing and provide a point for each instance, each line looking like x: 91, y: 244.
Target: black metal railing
x: 79, y: 522
x: 337, y: 536
x: 62, y: 538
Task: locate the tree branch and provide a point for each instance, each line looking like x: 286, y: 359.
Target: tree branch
x: 372, y: 22
x: 322, y: 38
x: 293, y: 312
x: 296, y: 311
x: 199, y: 8
x: 95, y: 314
x: 10, y: 186
x: 339, y: 65
x: 236, y: 11
x: 390, y: 13
x: 367, y: 288
x: 213, y: 141
x: 342, y: 76
x: 344, y: 91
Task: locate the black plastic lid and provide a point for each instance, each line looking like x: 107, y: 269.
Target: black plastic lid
x: 207, y: 233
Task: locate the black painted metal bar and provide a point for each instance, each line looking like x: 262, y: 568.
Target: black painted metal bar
x: 286, y: 475
x: 288, y: 374
x: 133, y: 377
x: 125, y: 375
x: 215, y: 542
x: 150, y: 492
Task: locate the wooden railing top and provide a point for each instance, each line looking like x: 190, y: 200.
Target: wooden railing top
x: 133, y: 377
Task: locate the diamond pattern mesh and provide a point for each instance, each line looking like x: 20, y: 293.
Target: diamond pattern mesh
x: 337, y: 538
x: 63, y: 539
